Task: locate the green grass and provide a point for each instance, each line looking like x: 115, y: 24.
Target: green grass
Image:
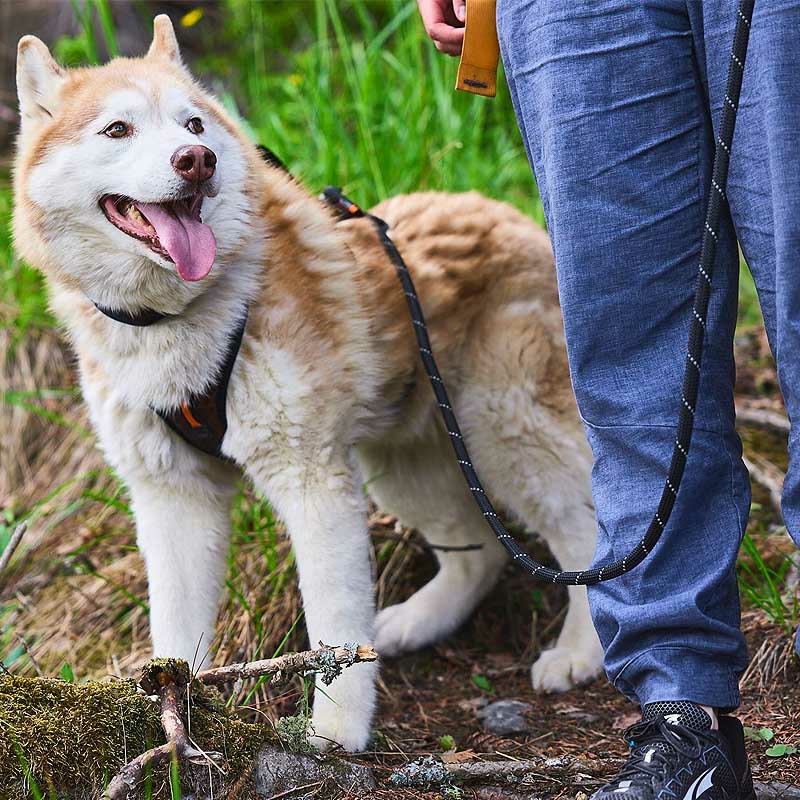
x: 763, y: 585
x: 23, y: 303
x: 369, y: 104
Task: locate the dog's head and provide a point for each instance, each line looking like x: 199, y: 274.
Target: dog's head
x: 129, y: 177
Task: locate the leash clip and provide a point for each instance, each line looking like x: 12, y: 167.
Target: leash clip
x: 344, y: 207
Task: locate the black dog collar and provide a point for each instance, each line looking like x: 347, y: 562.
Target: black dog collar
x: 141, y: 319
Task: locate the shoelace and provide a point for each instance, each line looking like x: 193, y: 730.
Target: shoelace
x: 656, y: 745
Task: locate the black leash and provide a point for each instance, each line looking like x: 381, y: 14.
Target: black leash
x: 691, y: 378
x: 202, y: 422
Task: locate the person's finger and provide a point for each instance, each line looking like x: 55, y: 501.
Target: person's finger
x: 441, y: 25
x: 446, y: 35
x: 460, y: 9
x: 433, y: 11
x: 448, y: 49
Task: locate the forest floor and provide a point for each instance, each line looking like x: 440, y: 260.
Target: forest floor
x: 74, y: 603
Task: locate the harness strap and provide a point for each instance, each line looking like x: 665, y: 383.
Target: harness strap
x: 202, y: 421
x: 480, y: 53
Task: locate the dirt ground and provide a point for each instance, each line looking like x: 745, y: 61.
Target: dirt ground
x: 75, y: 594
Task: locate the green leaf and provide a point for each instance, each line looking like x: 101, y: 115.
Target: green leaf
x: 447, y: 742
x: 66, y: 673
x: 759, y: 734
x: 779, y: 750
x: 483, y: 683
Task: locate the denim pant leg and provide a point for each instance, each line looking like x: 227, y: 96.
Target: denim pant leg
x: 764, y: 183
x: 611, y: 108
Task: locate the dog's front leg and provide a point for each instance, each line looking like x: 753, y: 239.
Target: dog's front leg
x: 325, y: 513
x: 183, y: 533
x: 181, y: 500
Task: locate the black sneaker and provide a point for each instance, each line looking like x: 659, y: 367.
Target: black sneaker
x: 676, y: 756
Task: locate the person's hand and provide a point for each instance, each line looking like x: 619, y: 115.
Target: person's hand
x: 444, y: 22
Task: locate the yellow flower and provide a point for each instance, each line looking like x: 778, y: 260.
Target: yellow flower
x: 192, y: 17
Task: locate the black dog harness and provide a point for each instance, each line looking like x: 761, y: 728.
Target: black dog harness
x: 202, y: 420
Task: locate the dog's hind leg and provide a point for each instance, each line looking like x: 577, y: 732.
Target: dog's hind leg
x: 541, y: 475
x: 423, y: 487
x: 576, y: 656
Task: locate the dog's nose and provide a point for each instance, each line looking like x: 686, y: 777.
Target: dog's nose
x: 194, y: 162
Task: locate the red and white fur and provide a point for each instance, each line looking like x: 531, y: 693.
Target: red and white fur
x: 327, y: 397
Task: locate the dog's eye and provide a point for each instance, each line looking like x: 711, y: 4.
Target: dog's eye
x: 195, y: 125
x: 118, y: 129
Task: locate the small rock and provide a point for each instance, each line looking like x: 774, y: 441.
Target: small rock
x: 775, y: 790
x: 277, y: 772
x: 505, y: 717
x: 579, y: 714
x: 428, y: 771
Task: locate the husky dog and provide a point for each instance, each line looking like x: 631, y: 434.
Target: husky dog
x: 136, y: 191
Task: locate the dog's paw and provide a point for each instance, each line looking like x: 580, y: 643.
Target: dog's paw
x: 333, y: 725
x: 562, y: 668
x: 400, y: 629
x: 343, y: 711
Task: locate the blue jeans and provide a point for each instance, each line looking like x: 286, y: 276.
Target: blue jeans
x: 617, y: 101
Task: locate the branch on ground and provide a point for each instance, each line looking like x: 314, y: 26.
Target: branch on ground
x: 762, y: 418
x: 13, y: 544
x: 432, y: 772
x: 327, y: 661
x: 763, y: 471
x: 170, y: 679
x: 422, y: 545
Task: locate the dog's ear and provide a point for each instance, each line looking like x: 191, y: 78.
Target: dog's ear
x: 39, y: 81
x: 164, y: 45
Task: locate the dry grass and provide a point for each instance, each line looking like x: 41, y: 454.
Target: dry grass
x: 76, y: 589
x: 76, y: 592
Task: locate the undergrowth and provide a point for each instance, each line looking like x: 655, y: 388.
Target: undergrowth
x: 351, y: 94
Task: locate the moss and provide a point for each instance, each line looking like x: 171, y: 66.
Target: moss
x: 293, y: 733
x: 71, y: 739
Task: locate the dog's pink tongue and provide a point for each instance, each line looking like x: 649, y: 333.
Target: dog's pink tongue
x: 189, y: 242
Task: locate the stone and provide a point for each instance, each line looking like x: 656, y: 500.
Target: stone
x: 775, y: 790
x: 505, y: 717
x: 277, y: 771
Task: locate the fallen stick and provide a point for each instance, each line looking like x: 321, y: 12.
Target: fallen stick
x: 769, y: 476
x: 327, y: 661
x: 422, y: 545
x: 13, y: 544
x: 762, y: 418
x: 168, y: 678
x: 432, y: 772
